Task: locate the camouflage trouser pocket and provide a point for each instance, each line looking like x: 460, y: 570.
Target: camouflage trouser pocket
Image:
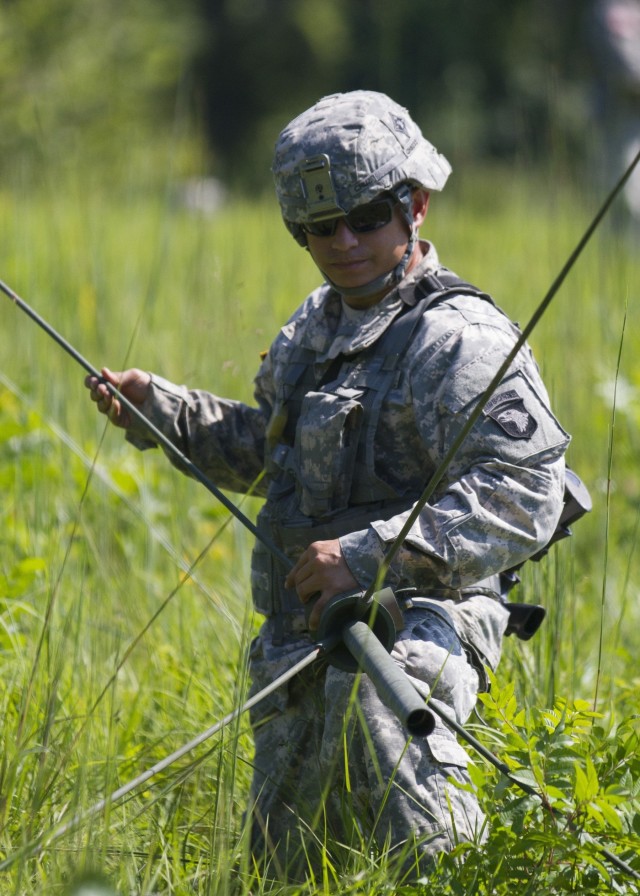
x: 326, y: 446
x: 262, y: 578
x: 268, y: 661
x: 429, y: 650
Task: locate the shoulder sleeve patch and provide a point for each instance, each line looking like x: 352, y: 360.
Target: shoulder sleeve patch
x: 509, y: 411
x: 524, y: 426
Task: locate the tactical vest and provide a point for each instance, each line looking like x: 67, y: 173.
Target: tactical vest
x: 309, y: 502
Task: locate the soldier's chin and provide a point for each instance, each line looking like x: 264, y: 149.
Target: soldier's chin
x: 350, y: 276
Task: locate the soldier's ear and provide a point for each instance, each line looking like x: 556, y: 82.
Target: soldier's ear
x: 420, y: 199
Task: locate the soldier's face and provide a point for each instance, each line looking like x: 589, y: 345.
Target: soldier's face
x: 352, y: 259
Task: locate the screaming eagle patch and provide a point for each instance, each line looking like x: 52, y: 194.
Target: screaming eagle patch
x: 509, y: 412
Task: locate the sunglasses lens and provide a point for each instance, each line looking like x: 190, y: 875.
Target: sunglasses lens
x: 370, y: 217
x: 322, y: 228
x: 363, y: 219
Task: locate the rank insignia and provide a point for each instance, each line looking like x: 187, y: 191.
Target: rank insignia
x: 509, y: 412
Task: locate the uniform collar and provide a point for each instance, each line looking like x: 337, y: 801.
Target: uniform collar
x: 357, y: 330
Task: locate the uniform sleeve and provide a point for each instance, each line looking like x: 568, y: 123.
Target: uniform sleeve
x: 223, y: 438
x: 501, y: 498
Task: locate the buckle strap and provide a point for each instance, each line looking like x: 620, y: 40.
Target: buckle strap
x: 491, y: 587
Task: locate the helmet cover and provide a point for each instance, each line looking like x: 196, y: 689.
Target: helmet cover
x: 345, y: 150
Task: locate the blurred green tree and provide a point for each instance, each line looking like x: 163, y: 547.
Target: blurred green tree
x: 92, y: 79
x: 99, y: 79
x: 484, y: 79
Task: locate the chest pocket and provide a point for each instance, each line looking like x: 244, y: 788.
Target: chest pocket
x: 332, y: 458
x: 323, y: 445
x: 325, y: 450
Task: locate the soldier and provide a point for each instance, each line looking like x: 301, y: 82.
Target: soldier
x: 356, y: 402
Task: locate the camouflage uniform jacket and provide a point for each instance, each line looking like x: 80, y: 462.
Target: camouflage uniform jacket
x: 347, y: 458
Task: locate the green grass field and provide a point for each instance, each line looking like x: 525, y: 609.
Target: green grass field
x: 124, y: 608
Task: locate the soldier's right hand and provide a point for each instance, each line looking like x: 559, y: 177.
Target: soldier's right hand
x: 133, y: 384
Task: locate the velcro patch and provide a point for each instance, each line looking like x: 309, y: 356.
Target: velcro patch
x: 509, y: 412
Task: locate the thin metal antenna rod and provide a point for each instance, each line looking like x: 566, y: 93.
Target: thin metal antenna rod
x: 47, y: 839
x: 166, y: 443
x: 497, y: 379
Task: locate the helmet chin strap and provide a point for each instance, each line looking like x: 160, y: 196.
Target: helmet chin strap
x: 391, y: 278
x: 383, y: 282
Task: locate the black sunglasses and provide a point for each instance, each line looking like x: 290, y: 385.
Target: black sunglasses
x: 362, y: 219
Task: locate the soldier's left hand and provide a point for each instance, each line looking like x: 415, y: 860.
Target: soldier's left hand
x: 321, y: 572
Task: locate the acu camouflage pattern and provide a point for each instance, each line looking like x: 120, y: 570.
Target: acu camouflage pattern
x: 396, y: 795
x: 498, y: 505
x: 372, y: 144
x: 502, y: 496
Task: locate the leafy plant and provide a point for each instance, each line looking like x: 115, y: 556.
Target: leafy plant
x: 124, y: 608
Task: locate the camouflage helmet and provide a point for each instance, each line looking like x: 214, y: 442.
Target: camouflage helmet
x: 345, y: 150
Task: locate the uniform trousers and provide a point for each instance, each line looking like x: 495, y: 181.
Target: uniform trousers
x: 334, y: 769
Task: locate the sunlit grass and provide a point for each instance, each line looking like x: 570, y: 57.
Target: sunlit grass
x: 111, y: 656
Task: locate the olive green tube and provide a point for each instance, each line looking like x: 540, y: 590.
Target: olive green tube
x: 393, y: 687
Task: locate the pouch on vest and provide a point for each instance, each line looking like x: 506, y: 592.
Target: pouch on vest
x: 324, y: 456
